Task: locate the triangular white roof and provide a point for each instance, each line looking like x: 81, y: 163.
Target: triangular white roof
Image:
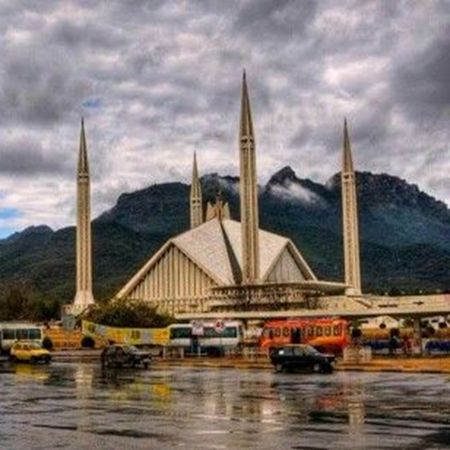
x: 206, y: 245
x: 215, y: 246
x: 210, y: 245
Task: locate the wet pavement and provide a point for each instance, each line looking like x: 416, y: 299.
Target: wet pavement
x: 77, y: 406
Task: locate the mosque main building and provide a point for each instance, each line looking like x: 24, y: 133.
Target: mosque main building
x: 221, y: 268
x: 225, y: 265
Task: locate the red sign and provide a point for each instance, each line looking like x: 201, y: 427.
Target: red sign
x: 219, y: 326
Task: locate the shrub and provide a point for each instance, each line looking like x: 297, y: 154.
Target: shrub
x: 128, y: 313
x: 47, y: 343
x: 87, y: 342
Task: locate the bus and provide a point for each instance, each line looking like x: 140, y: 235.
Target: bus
x: 326, y: 335
x: 11, y: 332
x: 212, y: 337
x: 207, y: 337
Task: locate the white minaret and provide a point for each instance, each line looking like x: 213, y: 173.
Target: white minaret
x: 248, y: 192
x: 350, y: 220
x: 196, y: 204
x: 84, y: 296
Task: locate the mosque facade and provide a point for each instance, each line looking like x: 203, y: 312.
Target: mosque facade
x: 225, y: 265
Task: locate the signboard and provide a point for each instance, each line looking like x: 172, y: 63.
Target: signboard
x: 133, y: 336
x: 219, y: 326
x: 197, y: 328
x: 68, y: 322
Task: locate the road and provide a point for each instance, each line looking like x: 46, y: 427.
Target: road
x: 77, y: 406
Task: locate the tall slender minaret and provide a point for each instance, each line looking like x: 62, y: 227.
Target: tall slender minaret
x: 350, y: 220
x: 248, y: 192
x: 196, y: 206
x: 84, y: 296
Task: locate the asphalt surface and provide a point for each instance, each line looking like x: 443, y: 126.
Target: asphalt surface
x: 77, y: 406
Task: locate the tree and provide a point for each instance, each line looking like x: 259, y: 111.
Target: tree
x: 17, y: 303
x: 128, y: 313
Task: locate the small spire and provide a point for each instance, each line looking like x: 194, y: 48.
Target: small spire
x: 195, y: 168
x: 195, y: 186
x: 196, y: 203
x: 219, y: 204
x: 83, y: 166
x: 246, y: 128
x: 347, y: 161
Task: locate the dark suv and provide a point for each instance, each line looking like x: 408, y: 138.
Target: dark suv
x: 124, y: 356
x: 301, y: 358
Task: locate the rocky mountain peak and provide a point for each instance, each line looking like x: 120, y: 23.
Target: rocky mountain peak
x: 286, y: 174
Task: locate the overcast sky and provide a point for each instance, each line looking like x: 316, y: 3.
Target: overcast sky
x: 156, y: 80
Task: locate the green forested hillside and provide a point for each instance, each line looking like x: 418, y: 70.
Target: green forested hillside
x: 405, y: 234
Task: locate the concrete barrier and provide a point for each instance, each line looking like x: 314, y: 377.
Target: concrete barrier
x: 355, y: 354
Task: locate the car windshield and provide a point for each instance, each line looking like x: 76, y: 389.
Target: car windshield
x: 35, y: 345
x: 310, y: 350
x: 130, y: 349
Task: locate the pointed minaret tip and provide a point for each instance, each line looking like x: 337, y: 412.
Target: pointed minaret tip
x: 195, y: 177
x: 83, y: 166
x: 347, y: 160
x: 246, y: 126
x: 196, y: 203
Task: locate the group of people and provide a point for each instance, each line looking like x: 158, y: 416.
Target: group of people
x: 407, y: 345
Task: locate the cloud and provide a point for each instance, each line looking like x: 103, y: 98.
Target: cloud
x: 420, y: 83
x: 293, y: 191
x: 25, y: 157
x: 158, y: 80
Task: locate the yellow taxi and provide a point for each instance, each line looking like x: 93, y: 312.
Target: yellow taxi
x: 31, y: 352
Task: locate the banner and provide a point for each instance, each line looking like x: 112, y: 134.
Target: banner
x: 133, y: 336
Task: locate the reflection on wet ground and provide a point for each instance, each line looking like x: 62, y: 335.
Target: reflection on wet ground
x: 79, y: 406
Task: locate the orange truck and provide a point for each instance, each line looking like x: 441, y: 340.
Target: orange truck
x: 326, y: 335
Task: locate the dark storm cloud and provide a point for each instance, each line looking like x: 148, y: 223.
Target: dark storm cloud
x: 275, y: 19
x: 39, y: 87
x: 92, y: 34
x: 421, y: 81
x: 24, y: 157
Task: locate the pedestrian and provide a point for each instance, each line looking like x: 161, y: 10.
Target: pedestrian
x: 406, y: 346
x: 392, y: 345
x: 296, y: 337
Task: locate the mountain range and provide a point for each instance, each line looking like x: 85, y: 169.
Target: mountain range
x: 405, y: 234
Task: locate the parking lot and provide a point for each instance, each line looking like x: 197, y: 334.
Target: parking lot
x: 80, y: 406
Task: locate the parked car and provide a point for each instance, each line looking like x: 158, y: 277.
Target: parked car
x: 124, y: 356
x: 31, y: 352
x: 301, y: 358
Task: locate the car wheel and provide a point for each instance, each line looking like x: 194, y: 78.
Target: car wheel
x: 279, y: 368
x: 316, y: 368
x: 326, y: 369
